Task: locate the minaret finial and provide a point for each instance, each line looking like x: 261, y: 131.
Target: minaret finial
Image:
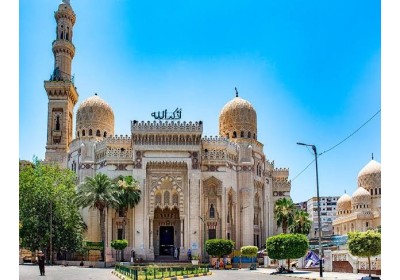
x: 66, y: 2
x: 237, y: 93
x: 344, y: 191
x: 95, y: 93
x: 372, y: 155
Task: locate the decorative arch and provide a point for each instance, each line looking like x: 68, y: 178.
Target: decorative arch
x: 162, y: 192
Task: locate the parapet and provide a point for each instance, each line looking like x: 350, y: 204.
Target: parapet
x: 166, y: 126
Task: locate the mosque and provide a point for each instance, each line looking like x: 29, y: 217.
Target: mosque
x: 193, y: 187
x: 362, y: 210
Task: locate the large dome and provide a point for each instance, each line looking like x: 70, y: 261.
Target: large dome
x: 369, y: 176
x: 94, y: 118
x: 238, y: 119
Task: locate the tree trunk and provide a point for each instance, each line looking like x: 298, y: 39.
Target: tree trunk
x: 369, y: 265
x: 103, y: 233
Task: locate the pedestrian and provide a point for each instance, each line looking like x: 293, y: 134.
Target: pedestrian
x: 41, y: 258
x: 189, y: 254
x: 176, y: 253
x: 217, y: 264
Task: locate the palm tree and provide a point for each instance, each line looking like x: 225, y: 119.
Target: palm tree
x: 128, y: 194
x: 301, y: 223
x: 284, y: 212
x: 98, y: 192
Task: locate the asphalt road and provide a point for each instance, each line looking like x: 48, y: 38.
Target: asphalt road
x: 31, y: 272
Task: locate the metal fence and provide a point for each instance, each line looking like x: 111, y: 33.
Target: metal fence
x: 159, y: 272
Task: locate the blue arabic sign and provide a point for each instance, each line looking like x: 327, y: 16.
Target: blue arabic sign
x: 164, y: 115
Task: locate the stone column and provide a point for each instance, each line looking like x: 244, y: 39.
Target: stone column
x: 151, y: 234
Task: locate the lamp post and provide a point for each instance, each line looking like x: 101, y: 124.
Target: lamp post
x: 204, y: 239
x: 318, y: 206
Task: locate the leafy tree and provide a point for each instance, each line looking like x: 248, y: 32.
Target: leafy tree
x: 301, y: 223
x: 219, y: 247
x: 48, y: 218
x: 98, y: 193
x: 249, y: 251
x: 120, y: 244
x: 128, y: 194
x: 365, y: 244
x: 284, y: 212
x: 287, y: 246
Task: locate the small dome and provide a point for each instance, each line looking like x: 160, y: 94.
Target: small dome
x: 369, y: 176
x: 238, y: 119
x: 94, y: 118
x: 344, y: 203
x: 361, y: 197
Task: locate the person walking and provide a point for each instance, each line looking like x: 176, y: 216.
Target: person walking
x: 41, y: 258
x: 189, y: 254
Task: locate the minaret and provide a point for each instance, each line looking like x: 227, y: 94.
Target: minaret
x: 60, y: 88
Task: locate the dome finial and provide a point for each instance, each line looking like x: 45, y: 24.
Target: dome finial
x: 237, y: 93
x: 95, y: 93
x: 372, y: 155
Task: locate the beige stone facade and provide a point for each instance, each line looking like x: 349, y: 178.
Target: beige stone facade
x: 193, y: 187
x: 362, y: 210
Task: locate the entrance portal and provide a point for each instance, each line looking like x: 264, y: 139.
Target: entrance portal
x: 167, y: 227
x: 166, y: 240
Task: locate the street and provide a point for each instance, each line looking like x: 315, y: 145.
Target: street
x: 31, y: 272
x: 56, y: 272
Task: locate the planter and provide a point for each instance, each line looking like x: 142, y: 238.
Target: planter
x: 195, y: 262
x: 228, y: 266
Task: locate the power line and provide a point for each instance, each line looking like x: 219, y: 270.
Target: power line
x: 337, y: 143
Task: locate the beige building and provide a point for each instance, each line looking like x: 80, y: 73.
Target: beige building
x: 362, y: 210
x: 193, y: 187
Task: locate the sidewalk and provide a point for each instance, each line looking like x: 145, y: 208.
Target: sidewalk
x: 301, y: 274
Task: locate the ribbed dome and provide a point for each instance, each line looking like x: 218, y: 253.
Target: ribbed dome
x: 344, y: 203
x: 96, y: 116
x: 369, y: 176
x: 238, y: 119
x: 372, y: 167
x: 361, y: 197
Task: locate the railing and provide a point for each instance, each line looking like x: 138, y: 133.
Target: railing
x: 159, y: 272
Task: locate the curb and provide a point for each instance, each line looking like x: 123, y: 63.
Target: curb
x: 123, y: 277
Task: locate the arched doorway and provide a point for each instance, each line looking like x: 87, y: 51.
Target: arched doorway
x: 167, y: 226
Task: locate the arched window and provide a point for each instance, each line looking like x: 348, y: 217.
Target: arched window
x: 166, y: 198
x: 58, y: 123
x: 90, y: 132
x: 227, y: 135
x: 212, y: 211
x: 175, y: 199
x: 249, y: 134
x: 105, y: 134
x: 83, y: 132
x: 67, y: 35
x: 242, y: 134
x: 98, y: 133
x: 158, y: 198
x: 78, y: 134
x: 254, y: 136
x: 234, y: 134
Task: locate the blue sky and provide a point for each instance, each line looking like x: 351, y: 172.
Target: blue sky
x: 311, y: 70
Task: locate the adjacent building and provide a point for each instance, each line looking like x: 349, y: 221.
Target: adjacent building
x: 362, y: 210
x: 327, y: 213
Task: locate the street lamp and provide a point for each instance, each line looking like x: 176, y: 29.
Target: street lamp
x: 318, y: 206
x: 204, y: 239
